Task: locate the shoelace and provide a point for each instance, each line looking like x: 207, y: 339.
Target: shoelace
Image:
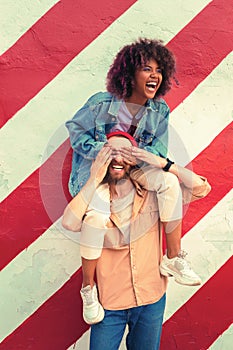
x: 182, y: 254
x: 88, y: 295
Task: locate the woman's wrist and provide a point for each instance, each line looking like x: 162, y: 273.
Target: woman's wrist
x: 167, y: 165
x: 163, y: 162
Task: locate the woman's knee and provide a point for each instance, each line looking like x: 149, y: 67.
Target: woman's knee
x: 153, y: 179
x: 96, y: 219
x: 170, y: 181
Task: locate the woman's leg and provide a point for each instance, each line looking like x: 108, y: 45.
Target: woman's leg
x: 91, y: 243
x: 169, y: 196
x: 167, y: 189
x: 88, y: 271
x: 173, y: 237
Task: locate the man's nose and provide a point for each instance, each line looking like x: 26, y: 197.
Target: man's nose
x: 118, y: 158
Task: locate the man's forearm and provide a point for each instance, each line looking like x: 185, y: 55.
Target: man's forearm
x: 76, y: 209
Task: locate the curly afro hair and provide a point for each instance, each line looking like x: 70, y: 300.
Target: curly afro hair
x: 133, y: 56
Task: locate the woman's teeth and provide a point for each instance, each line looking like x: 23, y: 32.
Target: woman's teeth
x: 151, y: 86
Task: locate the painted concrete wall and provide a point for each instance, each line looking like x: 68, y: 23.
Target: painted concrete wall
x: 54, y: 55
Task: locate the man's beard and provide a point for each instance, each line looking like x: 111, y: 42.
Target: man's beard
x: 110, y: 180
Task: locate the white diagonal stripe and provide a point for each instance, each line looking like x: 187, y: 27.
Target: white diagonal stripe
x: 203, y: 114
x: 209, y: 244
x: 36, y: 274
x: 17, y: 16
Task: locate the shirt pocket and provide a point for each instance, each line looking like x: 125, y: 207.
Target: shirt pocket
x: 147, y: 217
x: 151, y: 206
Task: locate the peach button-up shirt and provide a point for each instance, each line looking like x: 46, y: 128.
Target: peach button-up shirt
x: 128, y: 272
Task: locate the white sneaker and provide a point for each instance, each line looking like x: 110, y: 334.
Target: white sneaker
x: 93, y: 311
x: 180, y: 269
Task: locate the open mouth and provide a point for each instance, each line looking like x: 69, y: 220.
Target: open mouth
x: 117, y: 167
x: 151, y: 85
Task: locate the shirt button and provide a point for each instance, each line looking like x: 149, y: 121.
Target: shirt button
x: 113, y: 119
x: 134, y: 267
x: 97, y: 137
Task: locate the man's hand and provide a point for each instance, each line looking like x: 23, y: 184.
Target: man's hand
x: 100, y: 165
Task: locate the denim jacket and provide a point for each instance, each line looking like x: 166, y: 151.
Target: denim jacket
x: 89, y: 126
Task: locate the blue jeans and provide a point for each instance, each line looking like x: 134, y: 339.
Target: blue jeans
x: 144, y: 328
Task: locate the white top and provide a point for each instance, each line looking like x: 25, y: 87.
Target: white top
x: 125, y: 118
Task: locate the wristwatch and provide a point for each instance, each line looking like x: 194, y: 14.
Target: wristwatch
x: 168, y: 165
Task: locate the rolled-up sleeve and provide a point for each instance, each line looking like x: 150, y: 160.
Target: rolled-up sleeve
x: 196, y: 192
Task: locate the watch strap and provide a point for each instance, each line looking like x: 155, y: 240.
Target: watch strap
x: 168, y: 165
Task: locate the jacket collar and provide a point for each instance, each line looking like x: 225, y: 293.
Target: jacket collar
x: 116, y: 103
x: 114, y: 106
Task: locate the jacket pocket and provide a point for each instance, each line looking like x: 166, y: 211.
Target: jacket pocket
x: 146, y: 138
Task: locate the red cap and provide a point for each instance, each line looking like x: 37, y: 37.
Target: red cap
x: 123, y: 134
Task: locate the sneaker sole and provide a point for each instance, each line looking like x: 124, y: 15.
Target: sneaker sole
x: 98, y: 318
x: 178, y: 278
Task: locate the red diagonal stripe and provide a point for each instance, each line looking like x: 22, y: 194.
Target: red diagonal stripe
x: 216, y: 163
x: 39, y: 201
x: 64, y: 308
x: 34, y: 67
x: 202, y: 45
x: 49, y: 45
x: 199, y: 322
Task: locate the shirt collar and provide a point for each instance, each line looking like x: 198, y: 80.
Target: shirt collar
x: 139, y: 189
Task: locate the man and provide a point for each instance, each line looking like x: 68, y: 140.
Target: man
x: 131, y: 288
